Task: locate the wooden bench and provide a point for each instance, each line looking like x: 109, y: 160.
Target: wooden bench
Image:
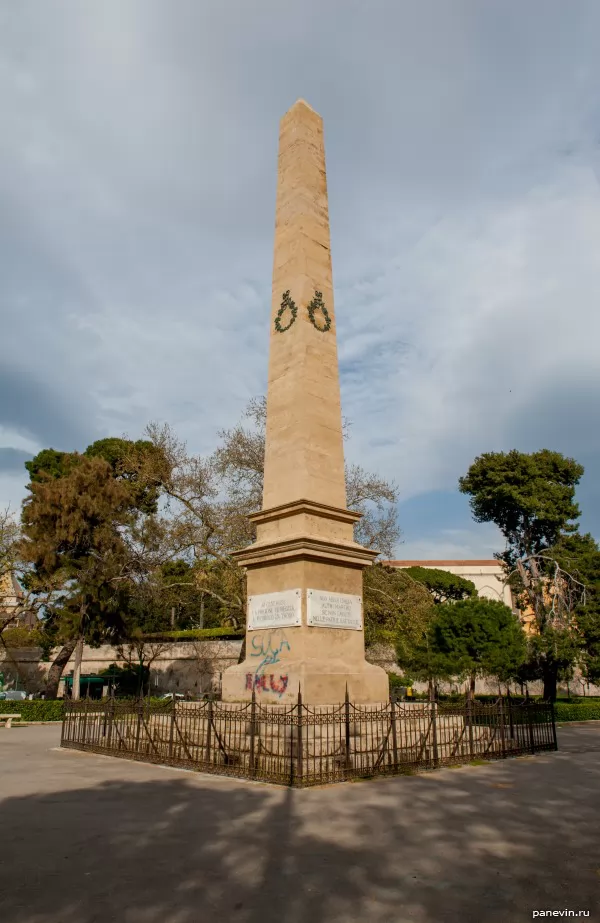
x: 8, y: 719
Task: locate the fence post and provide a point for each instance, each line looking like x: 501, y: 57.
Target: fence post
x: 434, y: 733
x: 347, y: 716
x: 510, y: 718
x: 469, y: 712
x: 139, y: 726
x: 394, y: 731
x: 553, y: 725
x: 111, y: 717
x: 501, y: 716
x: 252, y: 729
x: 85, y: 711
x: 172, y: 727
x: 300, y: 755
x: 209, y: 730
x: 529, y: 706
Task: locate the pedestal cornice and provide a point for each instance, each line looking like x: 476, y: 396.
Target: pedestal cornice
x: 311, y: 507
x: 303, y: 547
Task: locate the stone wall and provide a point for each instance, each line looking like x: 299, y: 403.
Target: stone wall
x: 197, y: 666
x: 183, y: 666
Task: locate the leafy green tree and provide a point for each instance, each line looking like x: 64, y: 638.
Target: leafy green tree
x: 72, y: 537
x: 578, y: 556
x: 531, y: 498
x: 49, y: 463
x: 476, y: 637
x: 131, y: 463
x: 397, y: 608
x: 89, y: 536
x: 441, y: 584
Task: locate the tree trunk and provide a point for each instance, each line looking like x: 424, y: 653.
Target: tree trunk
x: 550, y: 675
x: 472, y: 687
x: 56, y: 670
x: 76, y: 692
x: 242, y: 656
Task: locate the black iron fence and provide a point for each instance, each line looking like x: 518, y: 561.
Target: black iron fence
x: 308, y: 745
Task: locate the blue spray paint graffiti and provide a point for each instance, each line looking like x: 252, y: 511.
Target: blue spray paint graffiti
x: 268, y: 647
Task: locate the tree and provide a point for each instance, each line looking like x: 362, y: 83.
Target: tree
x: 400, y: 605
x: 578, y: 556
x: 441, y: 584
x: 87, y: 543
x: 531, y: 498
x: 476, y: 637
x: 397, y: 608
x: 9, y: 542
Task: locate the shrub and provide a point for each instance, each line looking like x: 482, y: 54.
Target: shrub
x: 34, y: 709
x: 22, y: 637
x: 568, y: 711
x: 196, y: 634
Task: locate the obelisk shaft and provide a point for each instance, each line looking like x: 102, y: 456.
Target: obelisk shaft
x: 304, y: 452
x: 304, y: 567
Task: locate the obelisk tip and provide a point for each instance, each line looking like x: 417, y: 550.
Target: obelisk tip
x: 302, y: 102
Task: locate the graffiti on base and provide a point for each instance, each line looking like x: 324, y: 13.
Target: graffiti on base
x: 268, y: 648
x: 264, y: 683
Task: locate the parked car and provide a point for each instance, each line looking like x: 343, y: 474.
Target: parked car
x: 169, y: 695
x: 13, y: 695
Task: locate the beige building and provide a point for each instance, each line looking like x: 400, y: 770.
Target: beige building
x: 487, y: 575
x: 11, y: 603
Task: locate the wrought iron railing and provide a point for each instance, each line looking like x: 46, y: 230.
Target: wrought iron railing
x: 308, y: 745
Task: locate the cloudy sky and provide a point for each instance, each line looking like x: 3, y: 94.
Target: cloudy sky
x: 137, y: 190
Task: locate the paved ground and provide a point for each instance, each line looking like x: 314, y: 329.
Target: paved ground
x: 86, y: 838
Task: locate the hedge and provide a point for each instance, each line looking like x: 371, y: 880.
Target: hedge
x: 577, y: 711
x: 34, y: 709
x: 52, y: 709
x: 196, y: 634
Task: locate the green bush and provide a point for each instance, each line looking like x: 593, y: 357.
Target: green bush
x: 34, y: 709
x: 568, y: 711
x: 196, y: 634
x: 22, y: 637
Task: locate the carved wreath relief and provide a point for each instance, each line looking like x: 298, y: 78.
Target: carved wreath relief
x: 317, y: 313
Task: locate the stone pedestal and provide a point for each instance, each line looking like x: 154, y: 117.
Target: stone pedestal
x: 305, y: 546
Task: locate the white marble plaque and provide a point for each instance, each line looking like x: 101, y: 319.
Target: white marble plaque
x: 333, y: 610
x: 275, y: 610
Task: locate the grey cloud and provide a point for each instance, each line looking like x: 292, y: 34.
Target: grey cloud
x: 39, y: 411
x: 13, y: 460
x: 565, y: 419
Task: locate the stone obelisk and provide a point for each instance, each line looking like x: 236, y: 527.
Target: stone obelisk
x: 304, y: 571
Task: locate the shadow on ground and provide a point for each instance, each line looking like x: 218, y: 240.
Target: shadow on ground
x: 480, y: 844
